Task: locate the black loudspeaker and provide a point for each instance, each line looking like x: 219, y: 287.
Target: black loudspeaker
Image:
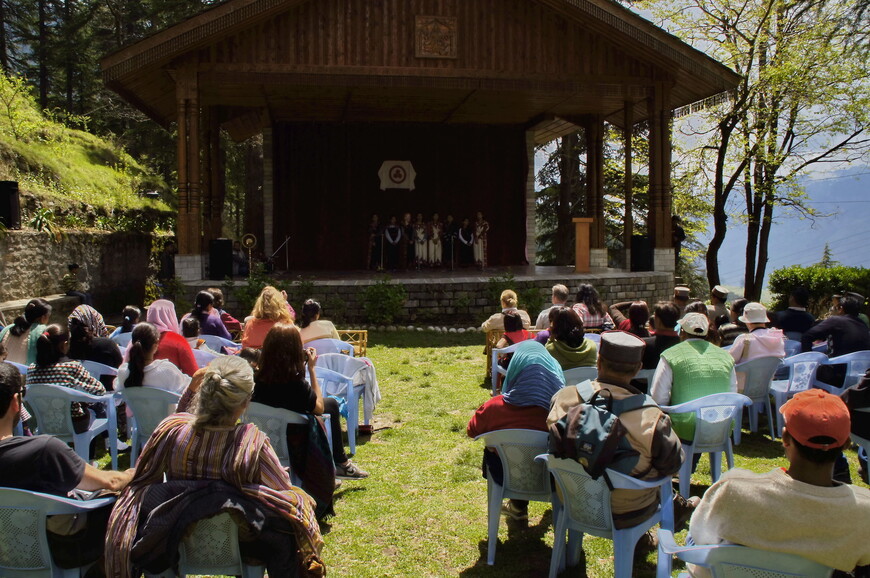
x: 10, y: 206
x: 641, y: 253
x: 220, y: 259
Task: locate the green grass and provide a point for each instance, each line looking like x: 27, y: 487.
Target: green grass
x: 423, y: 510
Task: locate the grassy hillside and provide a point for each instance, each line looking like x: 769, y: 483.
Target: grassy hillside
x: 71, y: 178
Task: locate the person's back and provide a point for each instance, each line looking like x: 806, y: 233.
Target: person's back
x: 846, y: 331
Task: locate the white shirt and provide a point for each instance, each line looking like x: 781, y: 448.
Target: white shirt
x: 663, y: 380
x: 543, y: 321
x: 160, y: 373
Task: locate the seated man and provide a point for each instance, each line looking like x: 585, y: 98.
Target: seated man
x: 729, y: 331
x: 73, y: 287
x: 558, y: 299
x: 649, y: 429
x: 718, y: 295
x: 692, y: 369
x: 795, y: 320
x: 681, y: 297
x: 665, y: 319
x: 47, y: 465
x: 799, y: 510
x: 845, y: 329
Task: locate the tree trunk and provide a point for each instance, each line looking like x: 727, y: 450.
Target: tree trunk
x: 4, y: 56
x: 42, y: 54
x: 568, y: 166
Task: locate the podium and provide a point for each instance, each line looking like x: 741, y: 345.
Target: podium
x: 581, y: 244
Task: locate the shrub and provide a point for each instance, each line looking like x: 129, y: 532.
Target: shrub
x: 821, y: 282
x: 382, y: 302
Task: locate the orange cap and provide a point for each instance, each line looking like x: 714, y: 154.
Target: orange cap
x: 816, y: 412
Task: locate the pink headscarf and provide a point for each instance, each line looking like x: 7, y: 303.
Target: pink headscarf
x: 161, y: 314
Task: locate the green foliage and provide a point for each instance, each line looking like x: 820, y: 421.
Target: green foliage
x: 43, y: 221
x: 827, y: 258
x: 495, y: 285
x: 247, y: 293
x: 382, y: 302
x: 300, y: 290
x: 821, y: 282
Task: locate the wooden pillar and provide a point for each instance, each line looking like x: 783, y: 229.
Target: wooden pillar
x: 659, y: 220
x: 628, y: 183
x: 214, y: 180
x: 594, y: 128
x: 189, y: 187
x: 581, y: 244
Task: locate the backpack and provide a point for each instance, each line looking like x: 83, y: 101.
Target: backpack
x: 592, y: 434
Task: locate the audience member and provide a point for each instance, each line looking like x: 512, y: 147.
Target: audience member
x: 692, y: 369
x: 795, y: 320
x: 665, y: 318
x: 861, y: 302
x: 523, y: 405
x: 209, y: 320
x: 567, y: 343
x: 20, y: 337
x: 191, y: 333
x: 131, y: 315
x: 729, y: 332
x: 73, y: 287
x: 760, y: 341
x: 269, y: 309
x: 559, y: 298
x: 648, y: 429
x: 847, y: 333
x: 144, y: 370
x: 232, y: 324
x: 311, y: 327
x: 718, y: 295
x: 796, y: 510
x: 173, y: 347
x: 681, y: 298
x: 88, y: 341
x: 638, y: 317
x: 210, y: 444
x: 46, y: 464
x: 508, y: 303
x: 591, y: 309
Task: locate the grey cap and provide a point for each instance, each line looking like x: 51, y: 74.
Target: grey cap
x: 621, y: 347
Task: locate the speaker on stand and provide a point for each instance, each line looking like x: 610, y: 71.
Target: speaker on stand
x: 10, y: 205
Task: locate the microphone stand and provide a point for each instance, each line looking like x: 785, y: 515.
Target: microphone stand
x: 286, y: 254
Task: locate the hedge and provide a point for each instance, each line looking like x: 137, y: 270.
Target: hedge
x: 821, y: 282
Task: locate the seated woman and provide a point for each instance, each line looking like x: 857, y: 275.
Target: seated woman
x: 281, y: 383
x: 88, y: 341
x: 592, y: 311
x: 231, y: 323
x: 131, y: 316
x: 513, y: 333
x: 508, y: 303
x: 567, y: 344
x: 190, y: 332
x: 210, y: 444
x: 270, y: 308
x: 311, y: 327
x: 638, y: 318
x: 144, y: 370
x: 173, y: 347
x: 53, y: 367
x: 209, y: 321
x: 20, y: 336
x: 533, y: 377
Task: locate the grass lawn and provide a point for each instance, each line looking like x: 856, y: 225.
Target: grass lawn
x: 423, y: 510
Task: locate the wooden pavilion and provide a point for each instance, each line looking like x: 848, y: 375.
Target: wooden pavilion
x: 462, y: 89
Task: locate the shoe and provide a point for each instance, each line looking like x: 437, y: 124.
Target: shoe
x: 514, y: 512
x: 350, y: 471
x: 337, y: 485
x: 683, y: 509
x: 648, y: 542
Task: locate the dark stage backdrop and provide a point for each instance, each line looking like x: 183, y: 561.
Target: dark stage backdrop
x: 327, y: 186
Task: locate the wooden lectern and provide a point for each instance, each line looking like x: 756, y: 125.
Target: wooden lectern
x: 581, y: 244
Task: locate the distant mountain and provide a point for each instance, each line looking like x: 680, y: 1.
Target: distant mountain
x: 844, y: 197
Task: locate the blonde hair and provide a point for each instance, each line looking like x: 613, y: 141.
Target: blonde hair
x: 227, y: 384
x: 508, y: 299
x: 271, y: 305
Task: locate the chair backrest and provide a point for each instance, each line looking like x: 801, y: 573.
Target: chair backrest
x: 51, y: 406
x: 586, y: 501
x: 123, y: 339
x: 215, y: 342
x: 792, y: 347
x: 203, y: 358
x: 24, y: 549
x: 327, y: 345
x: 646, y: 374
x: 524, y: 478
x: 22, y: 369
x: 149, y: 406
x: 273, y: 422
x: 578, y: 374
x: 802, y: 370
x: 593, y: 337
x: 857, y: 364
x: 715, y: 417
x: 97, y: 370
x: 212, y: 547
x: 333, y: 382
x: 758, y: 374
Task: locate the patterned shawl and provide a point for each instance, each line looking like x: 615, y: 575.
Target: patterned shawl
x: 90, y: 318
x: 201, y: 454
x: 533, y: 376
x: 161, y: 314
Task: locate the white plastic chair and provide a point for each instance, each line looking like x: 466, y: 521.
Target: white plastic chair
x: 333, y: 383
x: 215, y: 342
x: 149, y: 406
x: 756, y: 386
x: 203, y: 358
x: 123, y: 339
x: 496, y: 368
x: 801, y: 376
x: 327, y: 345
x: 524, y: 478
x: 97, y: 370
x: 22, y: 369
x: 578, y: 374
x: 581, y: 505
x: 738, y: 561
x: 594, y: 338
x: 24, y: 550
x: 273, y: 421
x: 213, y: 548
x: 792, y: 347
x: 51, y: 407
x: 715, y: 418
x: 857, y: 364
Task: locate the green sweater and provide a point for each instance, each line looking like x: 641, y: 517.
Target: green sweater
x: 585, y: 355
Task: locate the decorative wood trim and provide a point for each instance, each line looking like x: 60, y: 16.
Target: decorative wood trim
x: 436, y: 36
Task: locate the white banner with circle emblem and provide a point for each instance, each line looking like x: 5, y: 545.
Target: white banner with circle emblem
x: 397, y: 175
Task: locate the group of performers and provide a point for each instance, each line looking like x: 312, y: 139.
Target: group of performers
x: 414, y: 244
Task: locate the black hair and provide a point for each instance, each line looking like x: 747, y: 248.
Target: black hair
x: 721, y: 320
x: 190, y: 327
x: 817, y: 455
x: 204, y: 300
x: 512, y: 321
x: 850, y: 305
x: 695, y: 307
x: 144, y: 337
x: 667, y: 313
x: 587, y: 294
x: 218, y: 297
x: 35, y: 310
x: 10, y: 384
x: 567, y: 327
x: 638, y: 315
x: 48, y: 345
x: 131, y: 315
x: 801, y: 296
x: 310, y: 310
x: 738, y: 305
x: 80, y: 337
x: 250, y: 355
x: 72, y: 266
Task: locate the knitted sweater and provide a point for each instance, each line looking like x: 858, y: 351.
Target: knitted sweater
x: 774, y: 512
x: 584, y: 355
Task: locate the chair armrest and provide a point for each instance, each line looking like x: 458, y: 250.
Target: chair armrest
x: 691, y: 554
x: 70, y: 505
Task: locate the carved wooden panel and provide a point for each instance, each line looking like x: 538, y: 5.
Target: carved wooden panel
x: 435, y: 37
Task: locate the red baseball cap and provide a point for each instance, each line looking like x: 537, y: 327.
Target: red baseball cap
x: 816, y: 412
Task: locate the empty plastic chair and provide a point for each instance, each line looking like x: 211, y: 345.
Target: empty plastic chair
x: 334, y: 383
x: 327, y: 345
x: 149, y: 406
x: 758, y: 374
x: 856, y: 363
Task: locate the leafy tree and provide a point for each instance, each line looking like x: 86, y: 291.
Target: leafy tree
x: 803, y: 101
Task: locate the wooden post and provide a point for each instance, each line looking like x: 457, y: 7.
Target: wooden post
x: 581, y: 244
x: 628, y: 183
x: 659, y: 221
x: 189, y: 187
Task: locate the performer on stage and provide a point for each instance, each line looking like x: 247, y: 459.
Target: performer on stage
x: 451, y: 229
x: 375, y: 258
x: 393, y: 237
x: 466, y: 243
x: 434, y: 246
x: 408, y: 259
x: 420, y: 241
x: 481, y: 229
